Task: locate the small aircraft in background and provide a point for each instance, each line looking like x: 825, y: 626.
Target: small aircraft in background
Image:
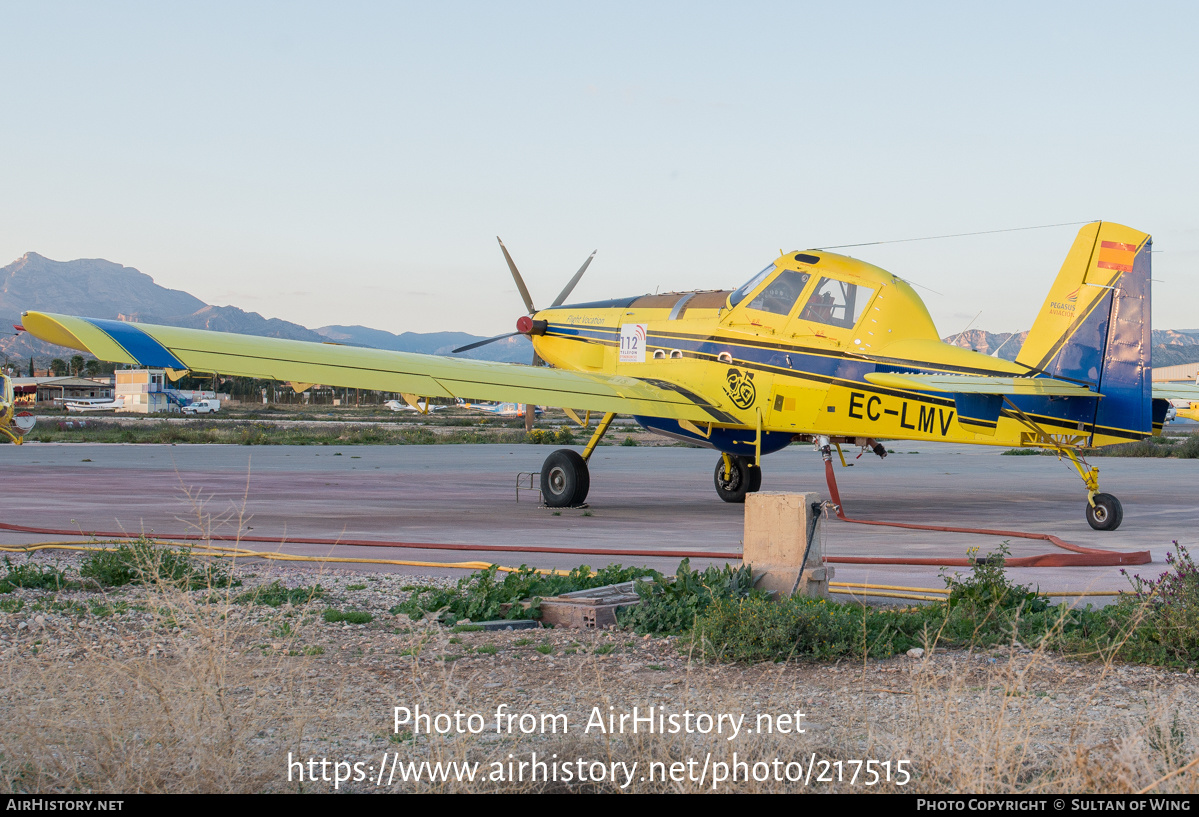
x: 83, y: 404
x: 817, y: 347
x: 506, y: 410
x: 422, y: 406
x: 1186, y: 404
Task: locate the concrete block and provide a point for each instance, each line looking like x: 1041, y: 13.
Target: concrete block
x: 780, y: 528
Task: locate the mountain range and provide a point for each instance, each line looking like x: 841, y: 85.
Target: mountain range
x: 1170, y: 346
x: 103, y: 289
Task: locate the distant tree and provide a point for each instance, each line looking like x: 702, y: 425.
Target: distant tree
x: 92, y: 367
x: 58, y: 367
x: 31, y: 365
x: 77, y: 365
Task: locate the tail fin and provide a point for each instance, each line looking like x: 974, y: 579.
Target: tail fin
x: 1094, y: 327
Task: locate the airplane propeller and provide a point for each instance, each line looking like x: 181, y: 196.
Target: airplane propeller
x: 479, y: 343
x: 528, y: 299
x: 530, y: 411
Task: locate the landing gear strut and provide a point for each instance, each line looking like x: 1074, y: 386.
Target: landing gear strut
x: 1104, y: 511
x: 565, y: 479
x: 735, y: 477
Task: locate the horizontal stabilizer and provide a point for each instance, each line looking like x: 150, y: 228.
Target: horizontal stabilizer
x: 980, y: 384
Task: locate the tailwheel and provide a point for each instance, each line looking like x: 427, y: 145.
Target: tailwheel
x: 742, y: 477
x: 565, y: 479
x: 1106, y: 514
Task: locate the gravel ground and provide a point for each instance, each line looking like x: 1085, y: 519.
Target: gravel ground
x: 163, y: 668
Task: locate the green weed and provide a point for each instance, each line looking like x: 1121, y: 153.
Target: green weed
x: 483, y: 596
x: 672, y: 606
x: 143, y: 562
x: 276, y: 594
x: 32, y: 576
x: 11, y: 605
x: 350, y: 616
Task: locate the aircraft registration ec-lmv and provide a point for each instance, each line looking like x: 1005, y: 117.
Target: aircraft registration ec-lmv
x: 816, y: 347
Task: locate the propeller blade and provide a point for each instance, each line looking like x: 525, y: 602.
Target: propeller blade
x: 479, y: 343
x: 570, y: 286
x: 520, y: 283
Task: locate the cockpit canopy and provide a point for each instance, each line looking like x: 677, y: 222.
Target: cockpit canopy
x: 830, y: 301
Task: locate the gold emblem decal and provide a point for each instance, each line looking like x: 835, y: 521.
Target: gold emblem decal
x: 740, y: 388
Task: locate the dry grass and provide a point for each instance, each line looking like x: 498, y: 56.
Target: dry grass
x: 205, y: 695
x: 210, y: 713
x: 997, y: 730
x: 185, y: 716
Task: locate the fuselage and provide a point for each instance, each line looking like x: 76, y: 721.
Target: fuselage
x: 790, y: 351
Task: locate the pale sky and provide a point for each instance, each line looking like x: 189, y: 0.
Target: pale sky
x: 352, y: 163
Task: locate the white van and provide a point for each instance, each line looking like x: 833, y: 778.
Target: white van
x: 202, y: 407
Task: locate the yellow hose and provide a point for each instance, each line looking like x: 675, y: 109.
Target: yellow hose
x: 886, y: 595
x: 941, y: 591
x: 229, y: 552
x: 226, y: 552
x: 945, y: 592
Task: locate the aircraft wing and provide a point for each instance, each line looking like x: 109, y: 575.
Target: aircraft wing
x: 177, y: 349
x: 981, y: 384
x: 1176, y: 391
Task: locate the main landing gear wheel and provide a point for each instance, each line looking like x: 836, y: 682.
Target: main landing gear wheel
x: 755, y: 477
x: 1106, y: 514
x: 744, y: 478
x: 565, y: 479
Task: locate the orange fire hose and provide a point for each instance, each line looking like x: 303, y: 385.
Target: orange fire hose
x: 374, y: 543
x: 1078, y: 556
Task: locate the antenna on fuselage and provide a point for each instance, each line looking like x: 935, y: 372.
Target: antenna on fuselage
x: 954, y: 342
x: 1009, y: 337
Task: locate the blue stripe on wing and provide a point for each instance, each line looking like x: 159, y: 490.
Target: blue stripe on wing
x: 144, y: 349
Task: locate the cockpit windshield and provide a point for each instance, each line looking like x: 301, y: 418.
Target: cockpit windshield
x: 836, y: 303
x: 749, y: 286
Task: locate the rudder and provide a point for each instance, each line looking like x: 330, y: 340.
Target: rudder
x: 1094, y: 327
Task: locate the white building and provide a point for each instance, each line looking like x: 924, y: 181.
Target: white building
x: 1172, y: 374
x: 143, y: 390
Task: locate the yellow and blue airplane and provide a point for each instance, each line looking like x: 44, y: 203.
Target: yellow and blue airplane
x: 816, y: 347
x: 508, y: 411
x: 13, y: 424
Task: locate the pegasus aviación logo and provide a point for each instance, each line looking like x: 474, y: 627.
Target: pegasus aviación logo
x: 1068, y: 305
